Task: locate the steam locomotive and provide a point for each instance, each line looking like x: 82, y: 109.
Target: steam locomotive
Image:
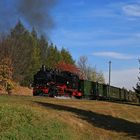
x: 50, y: 82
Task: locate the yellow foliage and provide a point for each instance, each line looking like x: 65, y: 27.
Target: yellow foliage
x: 6, y: 74
x: 10, y: 85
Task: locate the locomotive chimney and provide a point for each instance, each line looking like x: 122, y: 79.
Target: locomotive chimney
x: 43, y: 68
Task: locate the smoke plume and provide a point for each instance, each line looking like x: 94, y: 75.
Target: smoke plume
x: 35, y: 13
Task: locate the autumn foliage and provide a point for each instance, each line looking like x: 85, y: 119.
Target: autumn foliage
x: 68, y: 67
x: 6, y: 74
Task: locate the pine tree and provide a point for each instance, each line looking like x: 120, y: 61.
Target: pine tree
x: 34, y: 59
x: 66, y: 56
x: 18, y: 30
x: 53, y: 56
x: 44, y: 45
x: 21, y: 48
x: 34, y: 33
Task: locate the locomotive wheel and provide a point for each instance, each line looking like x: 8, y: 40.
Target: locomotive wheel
x: 53, y: 92
x: 38, y: 93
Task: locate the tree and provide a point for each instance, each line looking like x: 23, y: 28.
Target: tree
x: 68, y: 67
x: 53, y: 56
x: 84, y: 67
x: 88, y: 72
x: 34, y: 33
x: 20, y: 50
x: 66, y: 56
x: 137, y: 89
x: 100, y: 77
x: 6, y: 74
x: 5, y: 69
x: 18, y: 30
x: 33, y: 61
x: 44, y: 46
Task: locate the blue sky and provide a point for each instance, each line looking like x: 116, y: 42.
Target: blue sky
x: 102, y: 30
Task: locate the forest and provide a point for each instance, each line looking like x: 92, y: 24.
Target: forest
x: 23, y: 52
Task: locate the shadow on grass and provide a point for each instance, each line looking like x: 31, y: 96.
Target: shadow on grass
x: 100, y: 120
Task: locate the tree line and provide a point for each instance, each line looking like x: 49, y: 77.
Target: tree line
x: 22, y: 52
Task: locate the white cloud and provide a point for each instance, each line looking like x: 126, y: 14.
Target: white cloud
x: 114, y: 55
x: 132, y: 10
x: 123, y: 78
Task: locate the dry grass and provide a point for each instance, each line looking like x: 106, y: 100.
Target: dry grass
x: 19, y: 90
x: 79, y: 119
x: 105, y: 120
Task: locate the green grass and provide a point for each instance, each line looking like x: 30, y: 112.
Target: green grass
x: 22, y: 122
x: 17, y: 122
x: 40, y: 118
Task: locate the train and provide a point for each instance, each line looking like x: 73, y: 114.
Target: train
x: 53, y: 82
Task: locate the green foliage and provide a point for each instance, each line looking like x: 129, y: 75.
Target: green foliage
x: 53, y: 56
x: 66, y: 56
x: 28, y: 52
x: 44, y: 45
x: 18, y: 30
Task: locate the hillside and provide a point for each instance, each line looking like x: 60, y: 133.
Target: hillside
x: 41, y: 118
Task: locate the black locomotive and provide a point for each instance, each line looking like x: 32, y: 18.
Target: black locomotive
x: 56, y: 83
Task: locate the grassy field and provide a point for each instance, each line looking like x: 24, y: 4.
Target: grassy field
x: 41, y: 118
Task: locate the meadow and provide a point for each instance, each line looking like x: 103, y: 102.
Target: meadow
x: 43, y: 118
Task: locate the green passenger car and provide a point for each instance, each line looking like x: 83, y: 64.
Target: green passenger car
x: 123, y: 93
x: 102, y: 91
x: 86, y: 87
x: 114, y: 93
